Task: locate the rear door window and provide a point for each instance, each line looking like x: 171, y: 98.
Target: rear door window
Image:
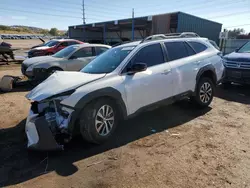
x: 72, y: 42
x: 150, y: 55
x: 84, y: 52
x: 190, y: 51
x: 64, y: 44
x: 177, y: 50
x: 198, y: 47
x: 100, y: 50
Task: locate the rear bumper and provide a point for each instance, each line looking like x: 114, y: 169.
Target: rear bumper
x: 39, y: 135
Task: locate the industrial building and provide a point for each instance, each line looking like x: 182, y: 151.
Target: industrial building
x: 111, y: 32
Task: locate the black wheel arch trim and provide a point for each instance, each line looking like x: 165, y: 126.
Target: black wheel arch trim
x: 104, y: 92
x: 203, y: 70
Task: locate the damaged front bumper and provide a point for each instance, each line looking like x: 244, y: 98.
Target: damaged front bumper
x: 39, y: 134
x: 44, y: 132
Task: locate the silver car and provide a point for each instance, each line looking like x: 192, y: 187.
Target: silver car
x: 72, y: 58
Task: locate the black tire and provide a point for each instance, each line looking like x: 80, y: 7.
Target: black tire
x: 199, y: 99
x: 88, y: 117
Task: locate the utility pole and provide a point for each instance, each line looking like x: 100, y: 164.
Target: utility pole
x: 133, y: 25
x: 83, y: 13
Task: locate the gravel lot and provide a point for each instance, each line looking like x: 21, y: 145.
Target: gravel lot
x: 173, y: 146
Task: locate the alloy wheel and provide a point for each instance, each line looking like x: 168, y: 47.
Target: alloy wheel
x: 205, y: 92
x: 104, y: 120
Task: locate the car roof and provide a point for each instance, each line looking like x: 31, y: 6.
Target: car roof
x: 63, y: 40
x: 92, y: 45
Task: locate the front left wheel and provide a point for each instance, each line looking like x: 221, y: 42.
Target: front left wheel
x: 98, y: 120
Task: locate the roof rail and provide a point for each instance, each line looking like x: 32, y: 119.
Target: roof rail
x: 170, y: 35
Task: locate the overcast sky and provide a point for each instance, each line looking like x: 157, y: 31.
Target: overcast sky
x: 62, y: 13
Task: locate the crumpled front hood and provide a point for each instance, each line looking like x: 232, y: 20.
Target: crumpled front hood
x: 234, y: 56
x: 60, y: 82
x: 40, y: 59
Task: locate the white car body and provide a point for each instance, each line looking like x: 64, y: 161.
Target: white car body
x: 169, y: 80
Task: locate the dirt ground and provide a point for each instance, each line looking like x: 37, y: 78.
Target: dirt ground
x: 173, y: 146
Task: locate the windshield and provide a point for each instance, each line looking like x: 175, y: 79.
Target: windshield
x: 51, y: 43
x: 108, y: 61
x: 245, y: 48
x: 65, y: 52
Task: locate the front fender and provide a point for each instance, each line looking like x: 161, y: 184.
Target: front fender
x: 86, y: 99
x: 47, y: 65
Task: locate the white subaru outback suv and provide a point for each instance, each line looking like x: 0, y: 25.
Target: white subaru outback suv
x: 118, y: 84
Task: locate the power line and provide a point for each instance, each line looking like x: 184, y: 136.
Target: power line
x: 49, y: 3
x: 191, y: 6
x: 63, y: 2
x: 53, y: 9
x: 237, y: 26
x: 185, y: 2
x: 30, y: 12
x: 101, y: 12
x: 113, y: 4
x: 231, y: 14
x: 223, y: 5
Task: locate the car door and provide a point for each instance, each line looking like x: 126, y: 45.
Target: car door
x: 152, y: 85
x: 80, y: 58
x: 182, y: 61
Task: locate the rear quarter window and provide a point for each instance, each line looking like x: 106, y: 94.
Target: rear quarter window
x: 198, y: 47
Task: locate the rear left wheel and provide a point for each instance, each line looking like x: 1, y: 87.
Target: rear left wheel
x: 204, y: 92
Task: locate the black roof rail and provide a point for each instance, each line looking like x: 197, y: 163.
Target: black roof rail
x: 170, y: 35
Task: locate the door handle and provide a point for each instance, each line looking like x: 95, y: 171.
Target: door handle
x: 165, y: 72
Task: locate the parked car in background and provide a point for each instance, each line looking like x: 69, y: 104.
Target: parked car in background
x: 51, y: 47
x: 237, y: 66
x: 72, y: 58
x: 118, y: 84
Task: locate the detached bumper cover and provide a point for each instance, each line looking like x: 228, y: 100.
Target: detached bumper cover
x: 39, y: 134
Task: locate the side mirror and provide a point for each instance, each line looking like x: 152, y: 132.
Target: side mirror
x: 236, y: 50
x: 73, y: 57
x: 137, y: 67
